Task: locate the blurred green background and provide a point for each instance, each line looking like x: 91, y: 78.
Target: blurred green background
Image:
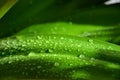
x: 28, y: 12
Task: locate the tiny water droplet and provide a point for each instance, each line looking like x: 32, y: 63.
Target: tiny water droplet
x: 79, y: 45
x: 31, y: 54
x: 62, y: 38
x: 42, y: 51
x: 92, y: 59
x: 32, y: 69
x: 3, y: 53
x: 90, y: 40
x: 56, y: 64
x: 109, y: 48
x: 73, y: 71
x: 86, y: 63
x: 38, y: 37
x: 23, y: 73
x: 71, y: 64
x: 70, y: 23
x: 23, y: 45
x: 68, y: 58
x: 81, y: 56
x: 50, y: 50
x: 26, y: 68
x: 38, y: 67
x: 43, y: 70
x: 31, y: 2
x: 10, y: 62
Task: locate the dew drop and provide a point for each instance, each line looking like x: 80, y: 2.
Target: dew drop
x: 56, y: 64
x: 92, y: 59
x: 90, y: 40
x: 86, y: 63
x: 31, y: 2
x: 3, y: 53
x: 73, y: 71
x: 50, y: 50
x: 70, y: 23
x: 109, y: 48
x: 10, y: 62
x: 81, y: 56
x: 23, y: 73
x: 68, y: 58
x: 32, y: 69
x: 43, y: 70
x: 38, y: 37
x: 26, y: 68
x: 62, y: 38
x: 42, y: 51
x: 23, y: 45
x: 38, y: 67
x: 71, y: 64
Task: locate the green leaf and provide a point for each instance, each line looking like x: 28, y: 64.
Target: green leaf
x: 5, y: 6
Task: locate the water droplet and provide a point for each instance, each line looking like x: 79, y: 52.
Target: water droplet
x: 43, y: 70
x: 23, y: 45
x: 92, y: 59
x: 10, y: 62
x: 73, y: 71
x: 68, y: 58
x: 86, y: 63
x: 31, y: 69
x: 31, y: 2
x: 31, y: 54
x: 26, y: 68
x: 62, y: 38
x: 56, y: 64
x: 81, y: 56
x: 109, y: 48
x: 38, y: 37
x: 71, y: 64
x: 42, y: 51
x: 3, y: 53
x: 79, y: 45
x: 38, y: 67
x: 90, y: 40
x: 70, y: 23
x: 50, y: 50
x: 23, y: 73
